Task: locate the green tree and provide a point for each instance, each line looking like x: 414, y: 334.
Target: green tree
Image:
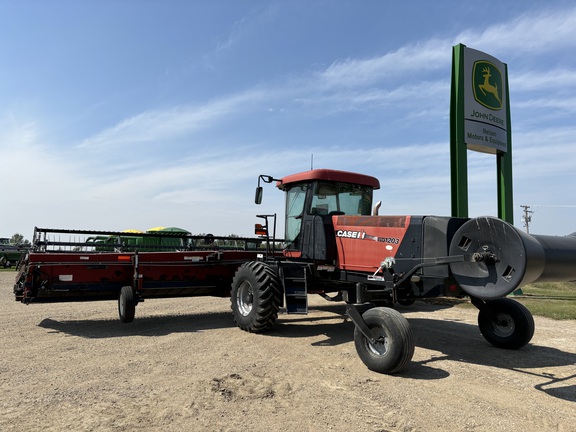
x: 18, y: 239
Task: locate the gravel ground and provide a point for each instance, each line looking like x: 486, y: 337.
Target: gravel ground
x: 182, y: 365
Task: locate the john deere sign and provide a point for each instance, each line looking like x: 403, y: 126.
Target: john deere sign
x: 485, y: 97
x: 480, y: 121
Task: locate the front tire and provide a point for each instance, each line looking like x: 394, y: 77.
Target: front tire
x: 395, y: 347
x: 515, y: 326
x: 256, y: 297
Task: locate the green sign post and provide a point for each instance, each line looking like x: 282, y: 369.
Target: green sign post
x: 479, y: 121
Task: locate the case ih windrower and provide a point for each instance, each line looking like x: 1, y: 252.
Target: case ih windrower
x: 336, y: 247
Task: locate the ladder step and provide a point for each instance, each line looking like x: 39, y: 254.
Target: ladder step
x: 296, y: 290
x: 297, y: 305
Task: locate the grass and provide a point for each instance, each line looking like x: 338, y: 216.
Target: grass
x: 551, y: 289
x: 555, y: 300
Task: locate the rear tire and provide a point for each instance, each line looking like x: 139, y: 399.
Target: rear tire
x: 515, y: 326
x: 256, y: 297
x: 396, y: 348
x: 127, y: 304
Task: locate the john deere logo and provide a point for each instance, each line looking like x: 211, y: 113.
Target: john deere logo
x: 487, y: 84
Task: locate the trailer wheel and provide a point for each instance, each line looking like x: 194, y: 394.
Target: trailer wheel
x: 515, y: 325
x: 256, y: 297
x: 395, y: 347
x: 127, y: 304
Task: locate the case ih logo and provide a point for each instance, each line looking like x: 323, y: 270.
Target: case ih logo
x: 487, y: 85
x: 350, y: 234
x: 361, y: 235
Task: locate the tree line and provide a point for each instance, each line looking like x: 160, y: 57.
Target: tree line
x: 17, y: 240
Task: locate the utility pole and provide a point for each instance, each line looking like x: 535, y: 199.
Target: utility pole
x: 527, y: 217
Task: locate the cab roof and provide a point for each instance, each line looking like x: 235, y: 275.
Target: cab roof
x: 329, y: 175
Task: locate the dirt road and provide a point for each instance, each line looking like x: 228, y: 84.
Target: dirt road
x: 183, y: 366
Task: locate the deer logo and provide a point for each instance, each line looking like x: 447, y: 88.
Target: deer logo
x: 487, y: 83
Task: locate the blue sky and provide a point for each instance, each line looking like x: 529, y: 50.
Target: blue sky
x: 135, y: 114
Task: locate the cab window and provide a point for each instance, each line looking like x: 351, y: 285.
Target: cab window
x: 341, y: 198
x: 295, y: 200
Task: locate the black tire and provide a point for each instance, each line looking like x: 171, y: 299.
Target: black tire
x: 256, y: 297
x: 407, y: 301
x: 127, y: 304
x: 515, y: 326
x: 397, y: 348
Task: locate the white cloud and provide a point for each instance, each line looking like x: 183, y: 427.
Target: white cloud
x: 424, y: 57
x: 157, y: 126
x: 546, y: 154
x: 427, y: 92
x: 543, y: 79
x: 533, y: 33
x: 567, y: 104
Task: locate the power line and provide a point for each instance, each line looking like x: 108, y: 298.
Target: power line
x: 555, y: 205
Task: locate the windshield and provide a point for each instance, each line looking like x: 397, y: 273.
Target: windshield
x: 329, y: 198
x: 341, y: 198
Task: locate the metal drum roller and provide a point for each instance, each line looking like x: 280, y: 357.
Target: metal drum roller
x: 501, y: 258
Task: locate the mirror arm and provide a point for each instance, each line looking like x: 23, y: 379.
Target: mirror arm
x: 259, y: 189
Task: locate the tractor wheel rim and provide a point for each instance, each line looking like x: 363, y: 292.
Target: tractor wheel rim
x: 245, y: 298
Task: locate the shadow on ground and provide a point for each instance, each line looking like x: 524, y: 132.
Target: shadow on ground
x: 454, y: 340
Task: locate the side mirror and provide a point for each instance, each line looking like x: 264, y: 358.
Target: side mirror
x: 258, y: 197
x: 265, y: 179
